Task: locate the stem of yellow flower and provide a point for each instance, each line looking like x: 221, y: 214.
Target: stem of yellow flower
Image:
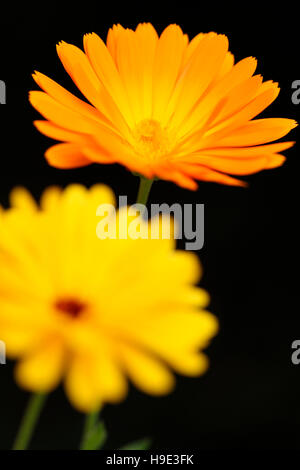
x: 93, y: 434
x: 29, y: 421
x: 144, y: 190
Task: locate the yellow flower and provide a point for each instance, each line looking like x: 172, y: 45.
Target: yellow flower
x: 94, y: 312
x: 163, y: 106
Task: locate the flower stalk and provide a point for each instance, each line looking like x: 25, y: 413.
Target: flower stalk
x: 29, y: 421
x: 89, y: 425
x: 144, y: 190
x: 94, y: 432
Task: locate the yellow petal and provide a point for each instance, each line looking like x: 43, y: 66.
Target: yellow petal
x: 42, y: 370
x: 109, y: 378
x: 147, y: 373
x: 22, y: 199
x: 80, y: 388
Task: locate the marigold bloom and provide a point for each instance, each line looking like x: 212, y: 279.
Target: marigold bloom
x: 162, y: 106
x: 95, y: 312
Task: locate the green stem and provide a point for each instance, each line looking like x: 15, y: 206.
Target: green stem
x: 29, y: 421
x: 91, y: 420
x: 144, y: 190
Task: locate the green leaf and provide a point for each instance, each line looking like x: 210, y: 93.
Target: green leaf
x: 141, y: 444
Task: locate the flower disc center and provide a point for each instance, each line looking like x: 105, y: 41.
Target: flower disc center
x: 70, y: 307
x: 151, y: 140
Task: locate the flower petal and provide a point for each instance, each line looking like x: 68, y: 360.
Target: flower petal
x: 80, y: 70
x: 42, y: 370
x: 147, y: 373
x: 59, y: 114
x: 66, y: 156
x: 66, y: 98
x: 107, y: 72
x: 167, y: 63
x: 257, y: 132
x: 80, y: 387
x: 194, y: 80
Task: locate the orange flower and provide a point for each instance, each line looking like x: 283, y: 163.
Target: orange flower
x: 161, y: 106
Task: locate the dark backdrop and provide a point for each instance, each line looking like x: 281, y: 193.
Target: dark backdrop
x: 249, y: 399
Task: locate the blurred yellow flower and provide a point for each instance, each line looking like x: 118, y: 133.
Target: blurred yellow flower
x: 94, y: 313
x: 163, y: 106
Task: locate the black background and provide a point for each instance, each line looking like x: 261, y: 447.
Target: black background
x: 249, y: 399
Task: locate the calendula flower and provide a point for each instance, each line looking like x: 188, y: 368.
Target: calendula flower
x: 163, y: 106
x: 93, y: 312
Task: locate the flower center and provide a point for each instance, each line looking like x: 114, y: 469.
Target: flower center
x: 70, y: 307
x: 150, y: 139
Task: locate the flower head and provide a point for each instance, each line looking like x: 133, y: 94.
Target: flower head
x: 163, y: 106
x: 91, y: 312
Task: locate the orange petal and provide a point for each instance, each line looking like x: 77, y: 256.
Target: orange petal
x: 55, y: 132
x: 258, y: 132
x: 252, y: 109
x: 107, y: 72
x: 205, y: 174
x: 66, y: 98
x: 113, y: 37
x: 238, y: 74
x: 86, y: 143
x: 168, y: 59
x: 226, y: 66
x: 191, y: 47
x: 235, y: 166
x: 66, y: 156
x: 128, y: 63
x: 147, y: 38
x: 171, y: 173
x: 80, y: 70
x: 59, y: 114
x: 243, y: 152
x: 238, y: 97
x: 241, y: 161
x: 275, y: 161
x: 201, y: 70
